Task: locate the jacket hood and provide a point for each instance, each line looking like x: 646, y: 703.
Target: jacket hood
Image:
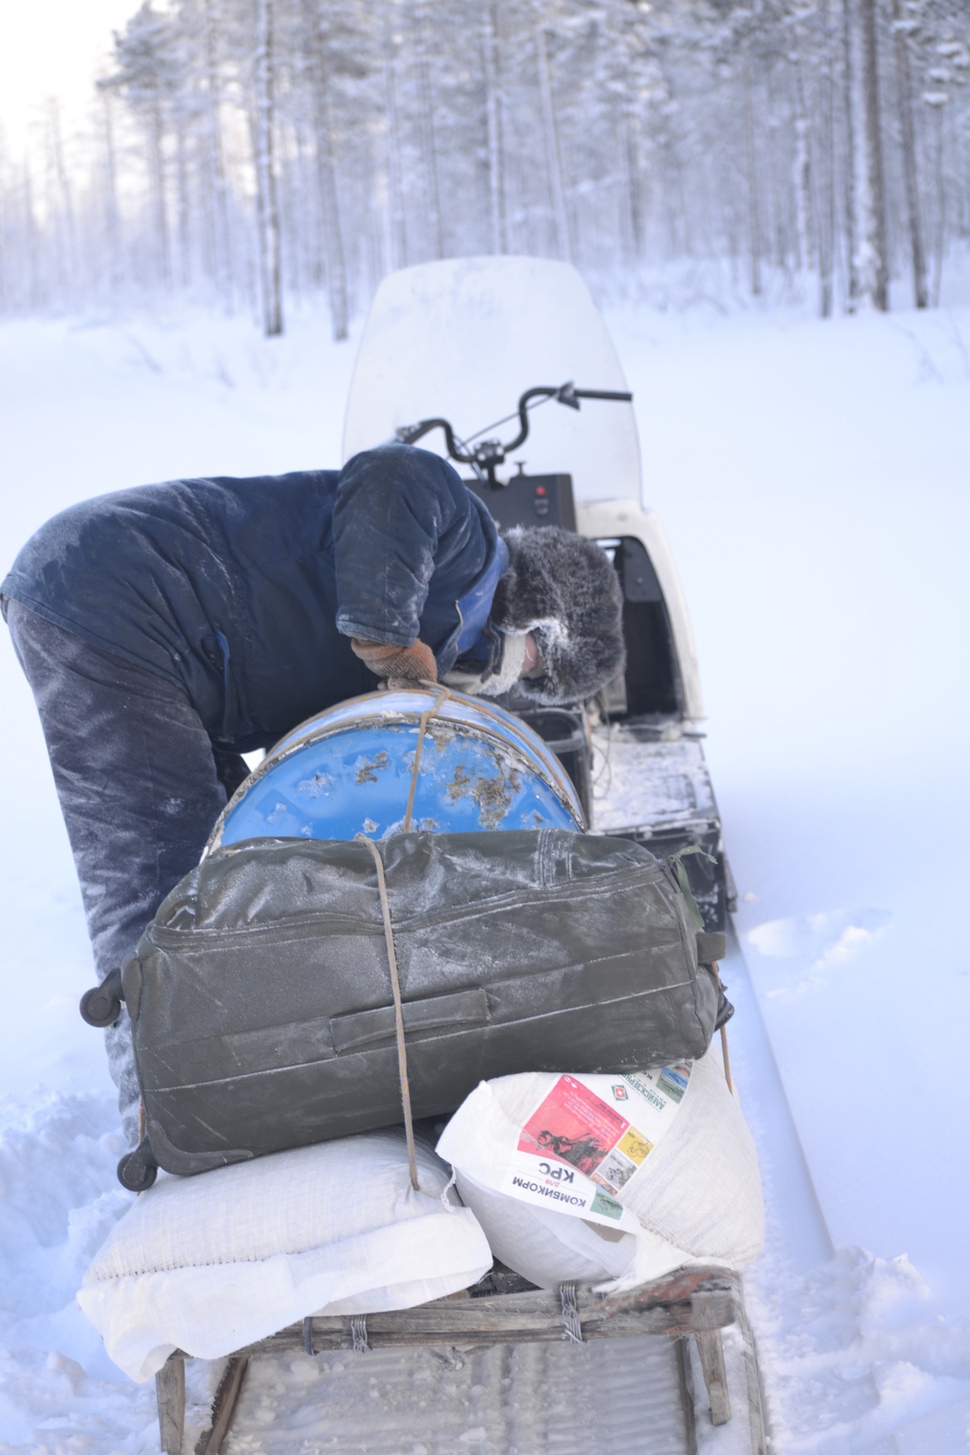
x: 564, y: 589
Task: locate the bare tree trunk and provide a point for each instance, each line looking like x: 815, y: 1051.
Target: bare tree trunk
x: 553, y: 154
x: 908, y: 131
x: 183, y: 209
x: 825, y: 189
x: 286, y: 159
x: 336, y: 253
x: 429, y: 142
x: 327, y: 182
x: 35, y: 287
x: 802, y: 178
x: 634, y: 181
x: 11, y: 264
x: 940, y: 242
x: 754, y: 205
x: 493, y: 125
x: 670, y: 165
x: 850, y: 169
x: 112, y: 216
x: 397, y: 215
x: 156, y: 165
x: 69, y: 268
x: 267, y: 206
x: 877, y: 269
x: 221, y: 232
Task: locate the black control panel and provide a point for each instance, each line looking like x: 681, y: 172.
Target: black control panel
x: 529, y: 500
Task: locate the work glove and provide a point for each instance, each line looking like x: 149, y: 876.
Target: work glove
x: 402, y: 667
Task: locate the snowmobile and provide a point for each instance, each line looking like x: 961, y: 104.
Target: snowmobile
x: 462, y: 338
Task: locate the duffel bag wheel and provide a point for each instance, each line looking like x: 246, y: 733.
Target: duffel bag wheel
x: 137, y: 1170
x: 101, y: 1006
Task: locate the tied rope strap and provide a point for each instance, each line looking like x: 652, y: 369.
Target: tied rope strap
x: 441, y: 694
x: 402, y: 1058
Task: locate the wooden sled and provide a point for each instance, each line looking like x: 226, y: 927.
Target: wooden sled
x: 692, y: 1304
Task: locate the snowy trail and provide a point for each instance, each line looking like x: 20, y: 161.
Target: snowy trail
x: 819, y: 517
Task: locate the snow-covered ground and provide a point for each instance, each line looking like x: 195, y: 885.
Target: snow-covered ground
x: 814, y: 479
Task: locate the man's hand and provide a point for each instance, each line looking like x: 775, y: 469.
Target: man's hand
x: 402, y: 667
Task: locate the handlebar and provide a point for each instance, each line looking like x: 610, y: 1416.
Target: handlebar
x: 491, y: 453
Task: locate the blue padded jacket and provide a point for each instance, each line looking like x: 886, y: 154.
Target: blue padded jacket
x: 246, y: 591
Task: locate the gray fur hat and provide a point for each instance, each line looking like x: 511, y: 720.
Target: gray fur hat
x: 564, y: 589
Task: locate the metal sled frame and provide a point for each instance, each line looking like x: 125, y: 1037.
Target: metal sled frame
x: 694, y: 1304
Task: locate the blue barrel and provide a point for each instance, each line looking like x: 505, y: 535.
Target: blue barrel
x: 349, y: 771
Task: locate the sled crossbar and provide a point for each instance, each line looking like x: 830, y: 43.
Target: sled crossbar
x: 520, y: 1318
x: 695, y: 1303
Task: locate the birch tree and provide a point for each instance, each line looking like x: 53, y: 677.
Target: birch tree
x: 907, y: 129
x: 491, y: 68
x: 278, y: 148
x: 875, y: 261
x: 267, y: 205
x: 550, y: 136
x: 147, y: 74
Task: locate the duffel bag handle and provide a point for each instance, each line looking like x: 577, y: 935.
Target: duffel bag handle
x: 676, y: 863
x: 711, y: 944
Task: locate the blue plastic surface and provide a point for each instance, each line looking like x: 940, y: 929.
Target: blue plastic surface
x: 349, y: 771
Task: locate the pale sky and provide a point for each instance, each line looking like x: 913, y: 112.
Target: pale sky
x: 52, y: 48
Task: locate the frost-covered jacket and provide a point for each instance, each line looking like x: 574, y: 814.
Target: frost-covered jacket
x: 247, y: 591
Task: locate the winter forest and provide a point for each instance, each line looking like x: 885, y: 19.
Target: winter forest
x: 259, y: 151
x: 770, y: 203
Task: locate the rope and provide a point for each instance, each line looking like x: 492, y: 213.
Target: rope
x: 725, y: 1055
x: 308, y: 1336
x: 142, y: 1125
x: 726, y: 1059
x: 450, y: 1357
x: 358, y: 1334
x: 402, y: 1060
x: 441, y: 695
x: 572, y: 1329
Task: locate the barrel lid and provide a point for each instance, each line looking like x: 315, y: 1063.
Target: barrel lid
x: 348, y: 770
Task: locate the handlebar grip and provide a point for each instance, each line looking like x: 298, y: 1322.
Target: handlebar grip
x: 491, y: 452
x: 603, y: 394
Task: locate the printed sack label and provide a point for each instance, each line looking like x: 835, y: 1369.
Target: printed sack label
x: 588, y: 1136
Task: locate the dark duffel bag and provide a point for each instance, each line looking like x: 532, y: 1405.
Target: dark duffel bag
x: 261, y: 1001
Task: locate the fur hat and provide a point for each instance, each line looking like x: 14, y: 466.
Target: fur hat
x: 564, y: 589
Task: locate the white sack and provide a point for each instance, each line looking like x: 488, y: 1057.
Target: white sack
x: 211, y: 1263
x: 696, y: 1197
x: 556, y: 1247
